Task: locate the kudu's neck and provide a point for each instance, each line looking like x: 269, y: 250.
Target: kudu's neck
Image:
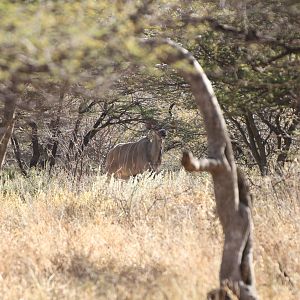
x: 155, y: 149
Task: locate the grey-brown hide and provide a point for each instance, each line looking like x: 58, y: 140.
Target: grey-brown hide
x: 130, y: 159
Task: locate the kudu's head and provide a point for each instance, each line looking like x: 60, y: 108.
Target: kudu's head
x: 155, y: 146
x: 155, y: 130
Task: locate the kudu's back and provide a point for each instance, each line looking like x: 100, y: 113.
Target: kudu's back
x: 129, y: 159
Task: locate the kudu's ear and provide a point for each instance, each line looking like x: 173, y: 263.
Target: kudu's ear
x: 150, y: 135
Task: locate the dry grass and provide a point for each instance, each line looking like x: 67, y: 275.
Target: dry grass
x: 149, y: 239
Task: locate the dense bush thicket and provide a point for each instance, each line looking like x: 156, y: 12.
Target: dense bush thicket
x: 74, y: 80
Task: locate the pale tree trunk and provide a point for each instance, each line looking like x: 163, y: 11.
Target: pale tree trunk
x: 231, y: 191
x: 6, y: 127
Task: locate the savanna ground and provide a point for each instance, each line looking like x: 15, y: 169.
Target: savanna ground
x: 148, y: 239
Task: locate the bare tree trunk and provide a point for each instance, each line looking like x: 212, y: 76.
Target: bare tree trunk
x: 17, y: 152
x: 232, y: 204
x: 74, y: 139
x: 52, y: 146
x: 256, y: 145
x: 35, y: 145
x: 91, y: 133
x: 6, y: 127
x: 287, y: 141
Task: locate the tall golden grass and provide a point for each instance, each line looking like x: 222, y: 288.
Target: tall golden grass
x: 152, y: 238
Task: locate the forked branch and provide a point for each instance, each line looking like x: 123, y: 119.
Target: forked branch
x: 232, y: 196
x: 192, y: 164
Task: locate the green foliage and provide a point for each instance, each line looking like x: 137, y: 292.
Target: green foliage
x: 93, y: 48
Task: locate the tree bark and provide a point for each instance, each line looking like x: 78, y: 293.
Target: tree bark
x: 17, y: 152
x: 52, y: 146
x: 87, y: 137
x: 236, y: 271
x: 287, y: 141
x: 74, y: 137
x: 6, y: 127
x: 35, y: 145
x: 256, y: 144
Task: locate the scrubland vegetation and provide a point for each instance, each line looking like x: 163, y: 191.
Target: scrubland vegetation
x: 79, y: 77
x: 152, y: 238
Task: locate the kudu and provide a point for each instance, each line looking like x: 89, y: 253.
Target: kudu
x: 130, y: 159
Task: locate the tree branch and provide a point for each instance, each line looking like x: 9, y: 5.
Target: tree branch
x: 232, y: 208
x: 250, y: 36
